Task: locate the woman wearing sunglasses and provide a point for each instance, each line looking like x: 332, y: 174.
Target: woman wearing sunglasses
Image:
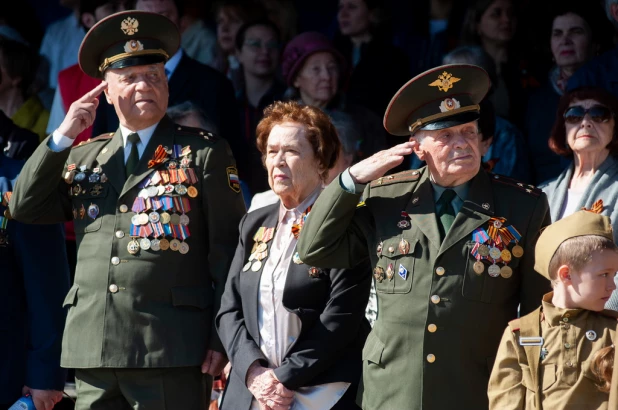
x: 585, y: 131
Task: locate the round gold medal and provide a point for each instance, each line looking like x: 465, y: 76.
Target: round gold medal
x: 494, y: 271
x: 506, y: 272
x: 133, y: 247
x: 164, y: 244
x: 175, y: 219
x: 506, y: 255
x: 256, y: 266
x: 484, y: 250
x: 478, y: 267
x: 175, y: 244
x: 184, y: 248
x: 517, y: 251
x: 164, y: 218
x: 192, y: 191
x: 261, y: 247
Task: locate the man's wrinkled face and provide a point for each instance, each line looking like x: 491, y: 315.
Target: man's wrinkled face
x: 452, y: 153
x: 139, y: 94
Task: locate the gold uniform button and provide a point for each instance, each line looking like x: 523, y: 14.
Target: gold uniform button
x: 123, y: 208
x: 115, y: 260
x: 391, y: 249
x: 432, y: 328
x: 113, y: 288
x: 435, y: 299
x: 569, y: 364
x: 119, y: 234
x: 431, y: 358
x: 440, y: 271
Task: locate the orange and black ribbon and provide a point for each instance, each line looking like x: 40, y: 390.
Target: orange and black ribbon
x: 160, y: 155
x: 596, y: 208
x: 296, y: 228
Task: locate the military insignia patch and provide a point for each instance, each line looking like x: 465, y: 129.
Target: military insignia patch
x: 449, y: 104
x: 232, y: 179
x: 445, y: 81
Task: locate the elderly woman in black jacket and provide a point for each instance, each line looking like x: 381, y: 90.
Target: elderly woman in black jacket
x: 293, y: 332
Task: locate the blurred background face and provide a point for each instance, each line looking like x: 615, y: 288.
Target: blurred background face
x: 571, y: 41
x: 318, y: 79
x: 259, y: 54
x: 354, y: 17
x: 293, y: 172
x: 498, y: 23
x: 589, y: 134
x: 166, y: 8
x: 228, y: 23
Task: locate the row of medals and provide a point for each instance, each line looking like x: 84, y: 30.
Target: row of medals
x: 143, y: 218
x: 404, y: 249
x: 259, y: 252
x: 496, y: 254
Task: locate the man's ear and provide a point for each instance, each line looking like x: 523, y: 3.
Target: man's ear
x: 485, y: 144
x: 564, y: 274
x: 417, y: 148
x: 108, y: 98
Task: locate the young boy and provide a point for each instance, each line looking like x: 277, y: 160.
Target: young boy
x: 561, y: 355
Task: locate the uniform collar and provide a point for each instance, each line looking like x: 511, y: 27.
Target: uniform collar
x: 460, y: 190
x: 556, y: 316
x: 144, y: 135
x: 172, y: 63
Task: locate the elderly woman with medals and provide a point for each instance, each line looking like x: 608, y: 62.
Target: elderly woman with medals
x: 300, y: 345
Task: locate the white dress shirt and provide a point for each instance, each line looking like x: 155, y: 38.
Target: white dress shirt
x: 59, y: 142
x: 279, y: 329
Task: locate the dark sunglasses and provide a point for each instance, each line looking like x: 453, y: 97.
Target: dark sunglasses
x: 597, y: 113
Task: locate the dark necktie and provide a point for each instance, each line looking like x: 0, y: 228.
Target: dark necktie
x: 446, y: 212
x: 133, y: 138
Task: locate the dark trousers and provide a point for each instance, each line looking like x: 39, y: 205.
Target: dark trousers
x: 143, y: 389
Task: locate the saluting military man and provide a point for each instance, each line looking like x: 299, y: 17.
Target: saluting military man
x: 452, y: 247
x: 156, y: 208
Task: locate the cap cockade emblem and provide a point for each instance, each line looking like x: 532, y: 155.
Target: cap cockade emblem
x: 449, y: 105
x: 445, y: 81
x: 129, y: 26
x: 132, y: 46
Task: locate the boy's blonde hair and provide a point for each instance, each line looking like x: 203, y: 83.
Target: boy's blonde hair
x: 576, y: 252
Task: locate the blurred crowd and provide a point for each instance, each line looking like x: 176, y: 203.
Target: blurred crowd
x: 347, y: 57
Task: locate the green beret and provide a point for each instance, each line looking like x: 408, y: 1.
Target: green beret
x: 439, y: 98
x: 127, y: 39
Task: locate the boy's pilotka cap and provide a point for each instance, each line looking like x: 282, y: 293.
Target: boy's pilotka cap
x: 581, y: 223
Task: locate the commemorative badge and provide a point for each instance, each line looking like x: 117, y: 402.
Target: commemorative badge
x: 491, y: 245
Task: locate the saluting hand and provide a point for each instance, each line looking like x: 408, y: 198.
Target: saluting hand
x: 379, y: 163
x: 81, y: 113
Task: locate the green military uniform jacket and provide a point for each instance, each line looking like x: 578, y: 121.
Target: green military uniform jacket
x: 439, y: 325
x: 154, y: 308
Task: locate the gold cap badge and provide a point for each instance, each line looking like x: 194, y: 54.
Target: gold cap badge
x: 129, y: 26
x: 449, y: 104
x: 133, y: 46
x: 445, y: 81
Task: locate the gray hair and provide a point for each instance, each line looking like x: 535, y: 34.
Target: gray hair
x: 474, y: 55
x: 608, y: 12
x: 182, y: 111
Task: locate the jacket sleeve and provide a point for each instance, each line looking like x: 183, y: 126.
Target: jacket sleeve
x: 334, y: 234
x: 338, y: 326
x: 533, y: 285
x: 46, y: 282
x: 223, y: 208
x: 240, y: 347
x: 506, y: 390
x: 40, y: 195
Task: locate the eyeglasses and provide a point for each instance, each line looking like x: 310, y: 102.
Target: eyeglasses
x: 257, y: 44
x: 597, y: 113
